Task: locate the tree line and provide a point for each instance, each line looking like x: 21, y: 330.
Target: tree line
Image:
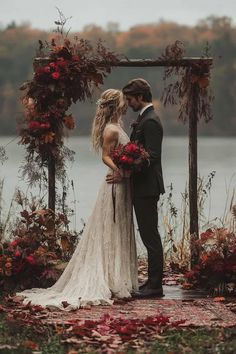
x: 18, y: 45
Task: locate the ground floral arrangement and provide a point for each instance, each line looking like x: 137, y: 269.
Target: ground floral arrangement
x: 41, y: 244
x: 216, y: 269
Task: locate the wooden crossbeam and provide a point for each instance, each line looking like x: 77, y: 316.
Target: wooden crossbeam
x: 188, y: 61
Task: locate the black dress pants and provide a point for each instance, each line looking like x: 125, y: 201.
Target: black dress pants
x: 147, y: 219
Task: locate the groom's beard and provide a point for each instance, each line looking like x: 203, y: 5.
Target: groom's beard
x: 137, y: 108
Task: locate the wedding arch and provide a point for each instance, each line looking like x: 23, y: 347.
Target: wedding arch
x: 65, y: 72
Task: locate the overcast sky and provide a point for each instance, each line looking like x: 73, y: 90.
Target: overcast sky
x: 42, y: 13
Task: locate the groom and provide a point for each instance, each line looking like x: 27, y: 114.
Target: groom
x: 147, y: 184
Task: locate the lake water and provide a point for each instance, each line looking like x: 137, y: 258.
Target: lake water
x: 88, y: 171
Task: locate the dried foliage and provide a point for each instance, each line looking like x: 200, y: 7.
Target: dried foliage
x: 191, y: 89
x: 175, y: 221
x: 3, y: 156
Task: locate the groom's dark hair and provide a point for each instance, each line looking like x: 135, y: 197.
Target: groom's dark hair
x: 137, y: 87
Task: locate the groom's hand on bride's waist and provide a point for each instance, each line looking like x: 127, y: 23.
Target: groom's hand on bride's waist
x: 114, y: 177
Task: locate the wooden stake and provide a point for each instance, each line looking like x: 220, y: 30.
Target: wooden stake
x: 193, y: 171
x: 51, y: 182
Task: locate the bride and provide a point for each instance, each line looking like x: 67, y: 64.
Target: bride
x: 104, y: 264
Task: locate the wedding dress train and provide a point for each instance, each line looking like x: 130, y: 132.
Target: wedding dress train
x: 104, y: 264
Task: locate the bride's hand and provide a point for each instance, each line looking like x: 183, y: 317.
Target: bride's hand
x: 114, y: 177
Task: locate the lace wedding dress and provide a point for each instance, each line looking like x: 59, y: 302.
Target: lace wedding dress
x: 104, y: 264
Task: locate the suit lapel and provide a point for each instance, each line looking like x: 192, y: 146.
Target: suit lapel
x: 139, y: 122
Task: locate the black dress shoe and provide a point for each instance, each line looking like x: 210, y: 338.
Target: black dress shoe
x: 144, y: 285
x: 148, y: 292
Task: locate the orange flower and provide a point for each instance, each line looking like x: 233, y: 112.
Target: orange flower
x: 30, y: 345
x: 219, y: 299
x: 69, y: 122
x: 204, y: 258
x: 48, y: 138
x: 58, y: 48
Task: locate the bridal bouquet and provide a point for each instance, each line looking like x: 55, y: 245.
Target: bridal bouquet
x: 130, y: 157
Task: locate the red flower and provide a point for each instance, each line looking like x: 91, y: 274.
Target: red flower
x: 18, y: 253
x: 31, y: 260
x: 56, y: 75
x: 15, y: 242
x: 127, y: 160
x: 62, y: 62
x: 124, y: 159
x: 34, y: 125
x: 47, y: 69
x: 132, y: 148
x: 53, y: 65
x: 130, y: 160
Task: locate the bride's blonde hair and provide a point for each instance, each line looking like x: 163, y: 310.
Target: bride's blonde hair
x: 110, y: 108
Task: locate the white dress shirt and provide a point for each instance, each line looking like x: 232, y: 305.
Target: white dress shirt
x: 144, y: 108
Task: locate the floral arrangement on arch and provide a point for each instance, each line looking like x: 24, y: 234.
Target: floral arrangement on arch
x: 65, y: 71
x: 216, y: 269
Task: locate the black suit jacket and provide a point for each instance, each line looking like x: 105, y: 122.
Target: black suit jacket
x: 149, y: 132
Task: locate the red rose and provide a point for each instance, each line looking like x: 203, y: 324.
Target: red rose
x: 61, y: 62
x: 127, y: 160
x: 132, y: 148
x: 124, y: 159
x: 31, y: 260
x: 15, y: 243
x: 56, y: 75
x: 130, y: 160
x: 53, y: 65
x: 47, y: 69
x: 17, y: 254
x: 34, y: 125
